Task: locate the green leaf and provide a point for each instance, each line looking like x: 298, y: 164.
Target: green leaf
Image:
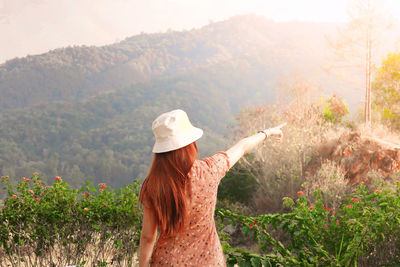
x: 244, y: 263
x: 245, y: 230
x: 255, y: 262
x: 383, y: 204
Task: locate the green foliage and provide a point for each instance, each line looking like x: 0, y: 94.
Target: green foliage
x: 57, y: 225
x: 98, y: 226
x: 335, y: 109
x: 386, y: 89
x: 238, y: 185
x: 108, y: 138
x: 363, y: 231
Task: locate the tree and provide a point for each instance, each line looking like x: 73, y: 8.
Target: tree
x: 386, y: 89
x: 355, y: 48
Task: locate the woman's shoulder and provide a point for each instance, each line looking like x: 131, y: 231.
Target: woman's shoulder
x: 215, y: 164
x: 219, y: 159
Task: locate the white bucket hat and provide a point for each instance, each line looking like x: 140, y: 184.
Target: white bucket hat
x: 173, y: 130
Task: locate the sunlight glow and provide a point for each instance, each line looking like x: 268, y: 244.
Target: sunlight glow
x: 31, y: 27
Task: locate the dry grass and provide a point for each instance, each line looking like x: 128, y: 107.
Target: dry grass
x: 381, y: 133
x: 280, y: 167
x: 57, y: 257
x: 330, y: 179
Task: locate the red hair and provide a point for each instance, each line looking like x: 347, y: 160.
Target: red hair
x: 166, y: 188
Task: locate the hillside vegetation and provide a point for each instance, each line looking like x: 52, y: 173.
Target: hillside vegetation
x: 85, y: 112
x: 80, y: 71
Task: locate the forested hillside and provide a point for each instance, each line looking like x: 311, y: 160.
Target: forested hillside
x: 81, y: 71
x: 108, y: 137
x: 86, y: 112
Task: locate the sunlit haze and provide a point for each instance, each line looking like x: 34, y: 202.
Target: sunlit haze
x: 36, y: 26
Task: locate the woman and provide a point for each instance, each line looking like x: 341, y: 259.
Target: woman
x: 180, y: 193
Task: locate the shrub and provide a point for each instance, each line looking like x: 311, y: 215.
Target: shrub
x: 57, y: 225
x: 238, y: 185
x: 363, y: 231
x: 335, y: 109
x: 330, y: 179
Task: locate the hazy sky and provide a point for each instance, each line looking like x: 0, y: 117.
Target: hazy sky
x: 36, y: 26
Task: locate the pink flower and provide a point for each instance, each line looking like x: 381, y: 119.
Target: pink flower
x: 349, y: 206
x: 397, y: 182
x: 37, y: 199
x: 310, y: 208
x: 251, y: 225
x: 26, y: 179
x: 35, y: 173
x: 362, y: 183
x: 58, y: 178
x: 31, y: 191
x: 355, y: 200
x: 326, y: 226
x: 300, y: 193
x: 316, y: 187
x: 337, y: 223
x: 87, y: 193
x: 326, y: 208
x: 254, y: 223
x: 378, y: 191
x: 85, y: 209
x: 14, y: 196
x: 104, y: 204
x: 331, y: 213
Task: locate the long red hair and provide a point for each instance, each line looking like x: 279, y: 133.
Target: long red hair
x: 167, y: 189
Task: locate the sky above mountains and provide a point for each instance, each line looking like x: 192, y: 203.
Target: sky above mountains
x: 36, y: 26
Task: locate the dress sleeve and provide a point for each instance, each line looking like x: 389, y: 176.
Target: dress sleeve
x: 218, y: 164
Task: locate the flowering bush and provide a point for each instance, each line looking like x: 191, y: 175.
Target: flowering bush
x: 335, y: 109
x: 363, y: 231
x: 56, y: 225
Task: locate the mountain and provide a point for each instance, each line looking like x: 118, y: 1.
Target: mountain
x: 78, y: 72
x: 86, y: 112
x: 107, y: 138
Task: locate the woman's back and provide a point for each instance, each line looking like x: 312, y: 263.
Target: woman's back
x: 180, y: 193
x: 197, y: 244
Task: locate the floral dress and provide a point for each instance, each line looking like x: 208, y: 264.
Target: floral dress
x: 198, y: 243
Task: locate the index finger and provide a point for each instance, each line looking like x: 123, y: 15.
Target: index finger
x: 282, y: 125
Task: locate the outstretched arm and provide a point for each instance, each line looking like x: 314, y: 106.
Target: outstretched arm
x: 248, y: 143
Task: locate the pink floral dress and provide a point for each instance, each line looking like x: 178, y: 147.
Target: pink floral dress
x: 198, y: 244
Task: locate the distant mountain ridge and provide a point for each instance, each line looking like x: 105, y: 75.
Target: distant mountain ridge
x: 85, y: 112
x: 80, y: 71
